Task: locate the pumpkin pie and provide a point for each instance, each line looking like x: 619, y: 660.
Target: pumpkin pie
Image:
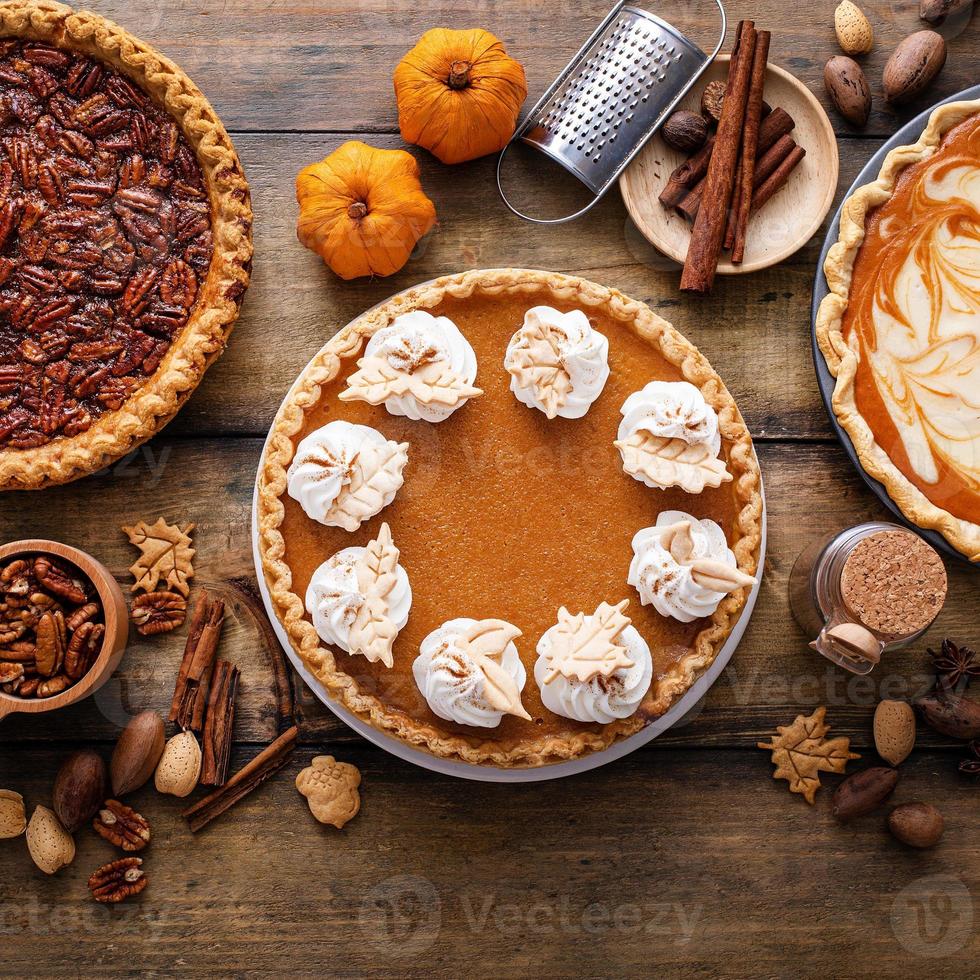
x: 507, y: 617
x: 900, y: 328
x: 125, y: 242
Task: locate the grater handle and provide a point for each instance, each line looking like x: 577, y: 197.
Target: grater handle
x: 528, y: 119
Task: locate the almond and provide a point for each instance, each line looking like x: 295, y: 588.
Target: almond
x: 917, y: 824
x: 137, y: 752
x: 913, y: 65
x: 180, y: 766
x: 13, y: 816
x: 894, y: 729
x: 848, y: 89
x: 51, y: 846
x: 863, y: 792
x: 79, y: 789
x: 854, y: 32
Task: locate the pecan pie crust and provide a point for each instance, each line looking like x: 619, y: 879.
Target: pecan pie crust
x: 842, y: 359
x: 532, y: 748
x: 125, y: 242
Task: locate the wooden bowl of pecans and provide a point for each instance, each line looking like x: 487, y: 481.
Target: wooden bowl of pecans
x: 63, y: 626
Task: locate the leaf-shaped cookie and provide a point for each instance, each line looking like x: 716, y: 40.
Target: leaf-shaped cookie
x: 373, y: 633
x: 583, y: 647
x: 672, y: 462
x: 166, y: 553
x: 537, y: 364
x: 376, y: 473
x: 485, y: 643
x: 376, y: 380
x: 801, y: 753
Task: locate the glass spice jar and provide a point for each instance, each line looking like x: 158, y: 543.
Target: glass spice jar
x: 865, y: 591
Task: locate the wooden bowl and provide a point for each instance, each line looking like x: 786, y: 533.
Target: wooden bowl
x: 785, y: 223
x: 116, y: 626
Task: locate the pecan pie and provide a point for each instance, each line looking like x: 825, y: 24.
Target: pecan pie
x: 508, y: 531
x: 900, y: 328
x: 125, y: 242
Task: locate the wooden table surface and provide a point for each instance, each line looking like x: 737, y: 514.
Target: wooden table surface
x: 686, y: 856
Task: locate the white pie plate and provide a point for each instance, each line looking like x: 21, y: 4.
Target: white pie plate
x: 494, y: 774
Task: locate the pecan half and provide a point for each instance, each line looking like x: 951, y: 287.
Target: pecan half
x: 122, y: 826
x: 59, y: 580
x: 21, y: 652
x: 158, y: 612
x: 10, y: 673
x: 15, y: 578
x: 82, y: 615
x: 83, y: 648
x: 118, y: 880
x: 49, y: 652
x: 53, y: 685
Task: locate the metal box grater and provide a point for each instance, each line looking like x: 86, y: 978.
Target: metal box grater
x: 611, y: 98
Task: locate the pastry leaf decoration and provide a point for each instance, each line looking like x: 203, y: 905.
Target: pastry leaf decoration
x: 537, y: 364
x: 584, y: 647
x: 373, y: 633
x: 672, y: 462
x: 376, y: 380
x: 165, y: 553
x: 376, y: 472
x: 717, y: 576
x: 485, y: 643
x: 801, y: 752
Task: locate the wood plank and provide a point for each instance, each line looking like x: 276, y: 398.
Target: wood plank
x: 322, y: 65
x: 687, y: 862
x: 755, y: 329
x: 210, y: 482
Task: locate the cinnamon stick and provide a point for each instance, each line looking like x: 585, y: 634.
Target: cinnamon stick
x: 709, y: 226
x: 778, y: 177
x: 750, y: 145
x: 765, y: 166
x: 773, y: 127
x: 268, y: 762
x: 219, y: 723
x: 191, y: 690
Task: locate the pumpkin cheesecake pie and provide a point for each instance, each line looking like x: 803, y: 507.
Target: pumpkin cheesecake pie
x: 515, y: 595
x: 900, y: 328
x: 125, y: 242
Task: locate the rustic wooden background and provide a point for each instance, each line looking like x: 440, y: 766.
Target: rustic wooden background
x: 685, y: 856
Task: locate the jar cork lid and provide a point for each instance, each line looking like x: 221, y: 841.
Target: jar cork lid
x: 894, y: 583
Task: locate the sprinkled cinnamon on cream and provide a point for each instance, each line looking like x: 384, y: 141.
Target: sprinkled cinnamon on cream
x: 894, y: 583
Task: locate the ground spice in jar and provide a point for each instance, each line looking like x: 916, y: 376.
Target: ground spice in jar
x: 894, y: 583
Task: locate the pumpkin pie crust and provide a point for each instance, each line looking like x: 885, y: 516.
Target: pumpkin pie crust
x: 109, y: 148
x: 506, y: 514
x: 887, y: 228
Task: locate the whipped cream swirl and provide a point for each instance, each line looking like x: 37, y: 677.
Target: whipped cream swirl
x: 669, y: 410
x: 325, y: 463
x: 453, y: 683
x: 601, y: 699
x: 667, y: 583
x: 558, y: 362
x: 414, y: 340
x: 333, y: 598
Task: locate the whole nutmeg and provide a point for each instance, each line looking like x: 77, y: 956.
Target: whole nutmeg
x: 79, y: 789
x: 917, y: 824
x: 913, y: 65
x: 685, y: 131
x: 712, y: 99
x: 137, y: 752
x: 854, y: 32
x: 13, y: 816
x: 894, y: 731
x: 51, y: 846
x: 180, y: 766
x: 848, y: 89
x: 863, y: 792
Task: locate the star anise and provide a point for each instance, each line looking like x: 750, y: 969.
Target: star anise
x: 954, y: 663
x: 970, y: 766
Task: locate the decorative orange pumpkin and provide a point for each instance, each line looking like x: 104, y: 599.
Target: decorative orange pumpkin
x: 459, y: 94
x: 362, y: 209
